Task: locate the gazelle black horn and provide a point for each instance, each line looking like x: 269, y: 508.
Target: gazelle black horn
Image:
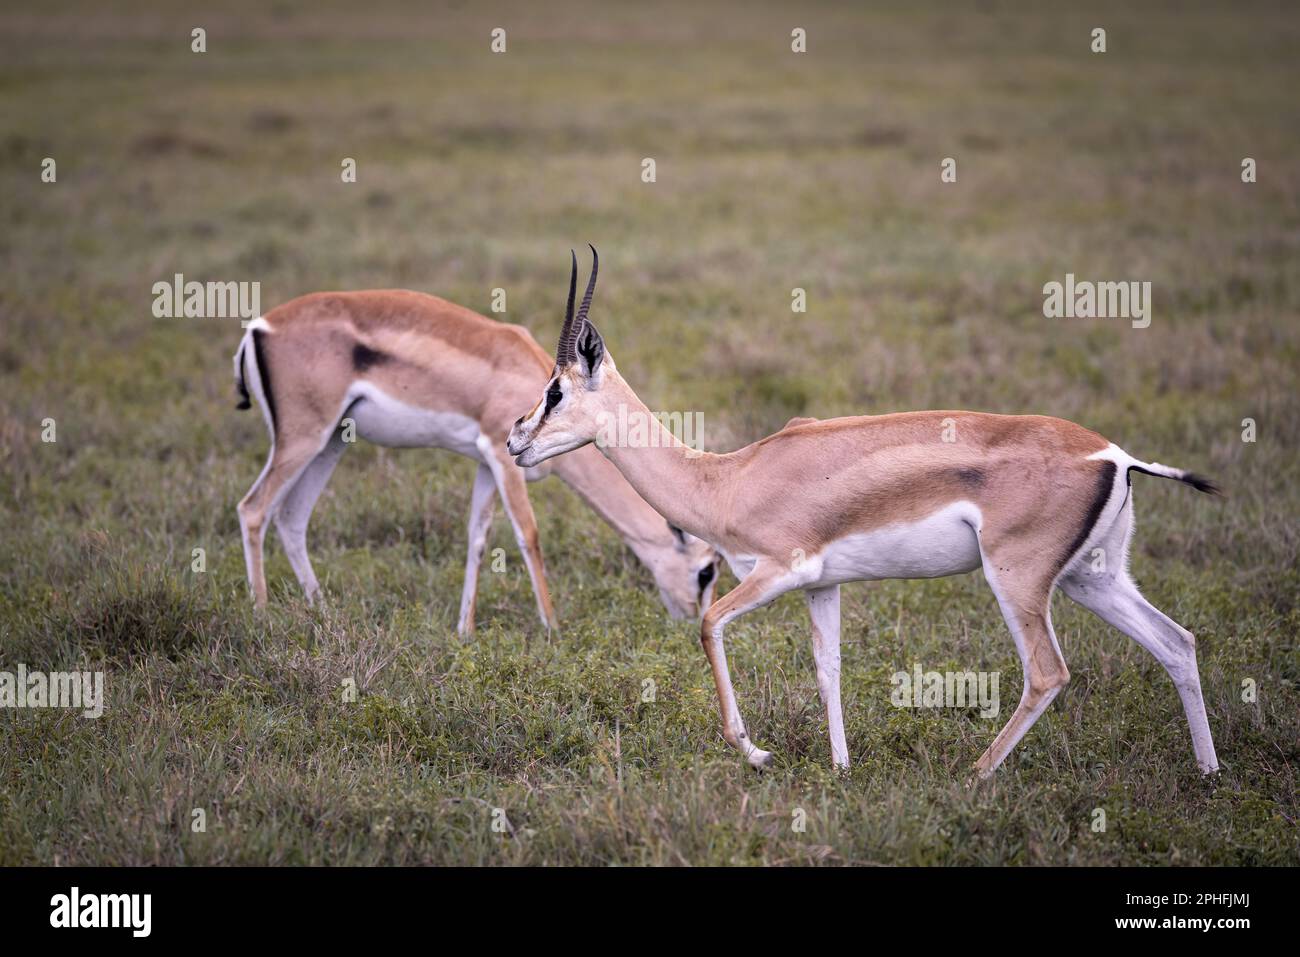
x: 591, y: 287
x: 564, y: 349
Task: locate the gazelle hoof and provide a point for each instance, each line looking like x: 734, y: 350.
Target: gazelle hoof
x: 978, y: 776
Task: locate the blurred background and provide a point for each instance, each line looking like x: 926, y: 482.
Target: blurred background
x: 775, y: 170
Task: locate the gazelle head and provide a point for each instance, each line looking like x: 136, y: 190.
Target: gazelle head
x: 572, y: 412
x: 686, y: 571
x: 568, y: 416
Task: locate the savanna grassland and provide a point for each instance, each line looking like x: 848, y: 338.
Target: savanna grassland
x: 774, y: 170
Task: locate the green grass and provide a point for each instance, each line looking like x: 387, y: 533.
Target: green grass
x: 774, y: 171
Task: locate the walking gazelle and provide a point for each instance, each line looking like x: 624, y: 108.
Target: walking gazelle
x: 913, y: 495
x: 412, y: 370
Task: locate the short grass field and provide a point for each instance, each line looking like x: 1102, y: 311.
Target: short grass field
x: 774, y: 170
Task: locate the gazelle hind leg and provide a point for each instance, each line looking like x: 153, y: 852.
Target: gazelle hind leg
x: 481, y: 509
x: 1025, y: 605
x: 1108, y: 591
x: 294, y: 511
x: 824, y: 609
x: 251, y: 534
x: 1118, y: 602
x: 282, y: 470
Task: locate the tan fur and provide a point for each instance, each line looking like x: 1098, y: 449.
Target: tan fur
x: 1030, y: 476
x: 1031, y: 491
x: 436, y: 355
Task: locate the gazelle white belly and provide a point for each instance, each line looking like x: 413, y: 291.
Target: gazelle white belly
x: 943, y: 543
x: 384, y: 420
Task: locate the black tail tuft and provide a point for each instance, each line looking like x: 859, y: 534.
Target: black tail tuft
x: 1201, y: 483
x: 1198, y: 482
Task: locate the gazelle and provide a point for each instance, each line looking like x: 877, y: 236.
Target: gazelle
x: 913, y: 495
x: 412, y: 370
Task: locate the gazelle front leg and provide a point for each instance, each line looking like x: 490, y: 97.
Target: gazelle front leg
x: 482, y: 506
x: 1025, y: 604
x: 513, y: 487
x: 824, y: 609
x: 758, y: 588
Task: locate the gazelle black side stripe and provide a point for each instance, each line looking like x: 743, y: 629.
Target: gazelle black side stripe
x: 264, y: 374
x: 363, y: 357
x: 245, y: 401
x: 1104, y: 488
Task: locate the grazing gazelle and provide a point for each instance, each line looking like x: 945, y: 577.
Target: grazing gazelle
x: 1036, y: 502
x: 411, y: 370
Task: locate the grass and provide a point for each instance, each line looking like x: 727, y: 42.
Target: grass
x: 775, y: 171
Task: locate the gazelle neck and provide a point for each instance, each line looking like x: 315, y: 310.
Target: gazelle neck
x: 682, y: 484
x: 598, y: 483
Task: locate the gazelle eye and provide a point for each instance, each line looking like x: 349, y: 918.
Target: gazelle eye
x: 553, y: 396
x: 705, y: 576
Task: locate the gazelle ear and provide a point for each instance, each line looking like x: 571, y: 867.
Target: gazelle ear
x: 590, y: 348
